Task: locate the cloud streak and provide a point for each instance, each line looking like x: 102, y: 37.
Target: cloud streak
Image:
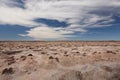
x: 79, y: 14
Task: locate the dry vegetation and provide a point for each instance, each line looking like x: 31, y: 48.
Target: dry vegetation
x: 60, y: 60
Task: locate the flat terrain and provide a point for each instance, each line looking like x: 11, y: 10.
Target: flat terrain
x: 60, y: 60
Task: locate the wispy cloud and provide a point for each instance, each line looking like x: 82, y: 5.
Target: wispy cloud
x: 79, y: 14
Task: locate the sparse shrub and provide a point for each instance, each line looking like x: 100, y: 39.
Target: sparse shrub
x: 51, y: 57
x: 43, y: 52
x: 74, y: 49
x: 77, y: 52
x: 65, y: 52
x: 94, y: 52
x: 8, y: 71
x: 57, y: 59
x: 109, y: 69
x: 114, y: 53
x: 84, y: 54
x: 55, y: 53
x: 31, y: 48
x: 66, y: 55
x: 111, y: 52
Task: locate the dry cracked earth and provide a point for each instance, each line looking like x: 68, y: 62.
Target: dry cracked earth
x: 60, y: 60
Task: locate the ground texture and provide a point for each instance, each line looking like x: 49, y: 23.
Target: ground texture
x: 62, y: 60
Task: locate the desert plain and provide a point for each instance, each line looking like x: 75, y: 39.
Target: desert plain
x: 59, y: 60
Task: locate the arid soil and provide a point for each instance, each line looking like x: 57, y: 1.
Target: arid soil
x: 62, y: 60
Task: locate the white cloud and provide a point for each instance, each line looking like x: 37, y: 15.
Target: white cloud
x: 77, y: 13
x: 46, y: 33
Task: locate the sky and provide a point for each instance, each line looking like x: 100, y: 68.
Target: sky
x: 59, y: 19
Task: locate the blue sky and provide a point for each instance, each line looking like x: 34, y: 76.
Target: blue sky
x: 58, y: 20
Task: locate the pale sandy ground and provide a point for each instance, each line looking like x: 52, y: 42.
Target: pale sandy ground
x: 60, y: 60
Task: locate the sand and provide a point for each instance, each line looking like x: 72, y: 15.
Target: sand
x: 59, y: 60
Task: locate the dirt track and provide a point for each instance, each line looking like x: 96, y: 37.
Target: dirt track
x: 63, y: 60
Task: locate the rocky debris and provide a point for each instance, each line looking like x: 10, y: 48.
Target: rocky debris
x: 115, y: 76
x: 53, y: 49
x: 10, y: 60
x: 30, y: 55
x: 65, y: 61
x: 115, y: 72
x: 103, y: 73
x: 43, y: 52
x: 11, y: 52
x: 106, y: 68
x: 8, y: 71
x: 71, y: 75
x: 37, y: 50
x: 74, y: 48
x: 23, y: 58
x: 110, y: 52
